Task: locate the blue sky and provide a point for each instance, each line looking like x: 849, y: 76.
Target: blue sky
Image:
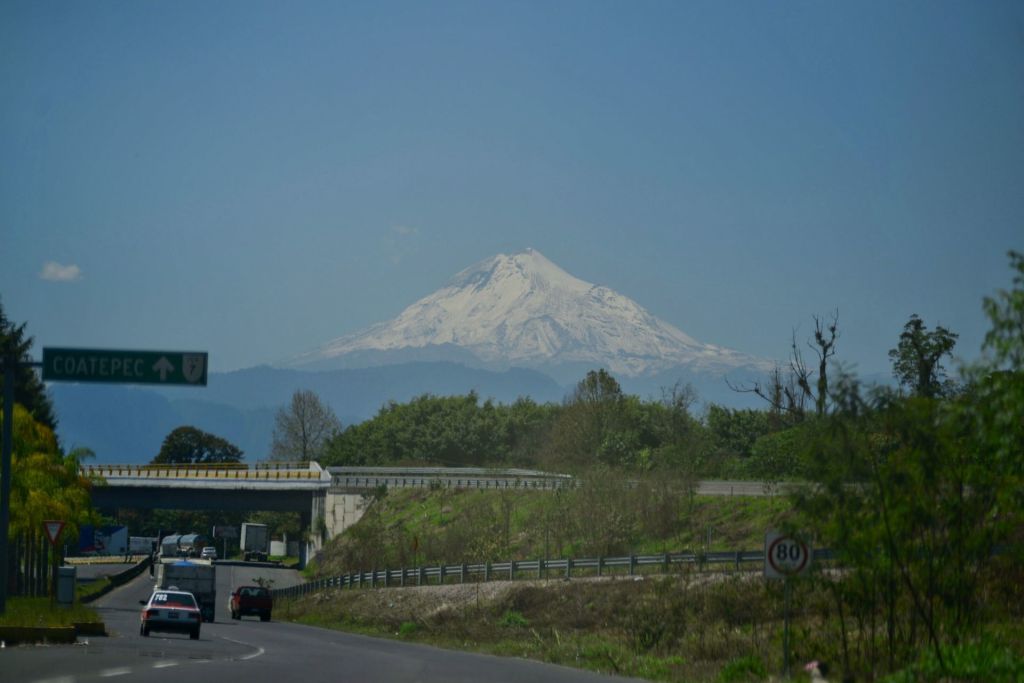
x: 256, y: 178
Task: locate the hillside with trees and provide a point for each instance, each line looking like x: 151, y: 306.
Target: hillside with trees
x: 917, y: 488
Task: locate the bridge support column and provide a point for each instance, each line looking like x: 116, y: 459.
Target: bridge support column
x: 342, y: 510
x: 314, y: 528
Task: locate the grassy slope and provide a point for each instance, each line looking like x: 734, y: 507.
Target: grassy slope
x: 429, y: 517
x: 687, y: 626
x: 578, y: 623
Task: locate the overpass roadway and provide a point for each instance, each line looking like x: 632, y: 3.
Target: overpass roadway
x: 290, y: 487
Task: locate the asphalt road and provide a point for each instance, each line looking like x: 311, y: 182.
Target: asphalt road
x: 255, y: 652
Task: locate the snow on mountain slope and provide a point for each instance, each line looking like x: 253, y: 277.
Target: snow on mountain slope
x: 523, y: 310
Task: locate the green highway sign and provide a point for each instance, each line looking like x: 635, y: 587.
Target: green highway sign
x: 125, y: 367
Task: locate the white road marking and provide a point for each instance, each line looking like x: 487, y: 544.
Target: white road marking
x: 120, y: 671
x: 164, y: 665
x: 259, y: 650
x: 58, y: 679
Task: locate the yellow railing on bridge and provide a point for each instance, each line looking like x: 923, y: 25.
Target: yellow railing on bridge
x: 275, y: 471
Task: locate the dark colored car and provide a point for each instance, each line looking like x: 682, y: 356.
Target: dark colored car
x: 251, y: 600
x: 171, y: 611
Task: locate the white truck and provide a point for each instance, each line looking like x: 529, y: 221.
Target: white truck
x: 142, y: 545
x: 255, y: 542
x: 197, y: 577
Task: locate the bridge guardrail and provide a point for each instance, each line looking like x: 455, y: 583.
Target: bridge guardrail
x: 194, y: 472
x: 369, y: 478
x: 372, y: 482
x: 534, y: 569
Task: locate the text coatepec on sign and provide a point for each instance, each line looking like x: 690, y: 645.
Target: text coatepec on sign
x: 125, y: 367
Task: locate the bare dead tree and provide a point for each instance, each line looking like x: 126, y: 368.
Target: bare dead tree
x: 303, y: 428
x: 825, y: 337
x: 787, y: 392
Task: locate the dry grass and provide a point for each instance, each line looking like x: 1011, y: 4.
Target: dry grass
x: 660, y: 628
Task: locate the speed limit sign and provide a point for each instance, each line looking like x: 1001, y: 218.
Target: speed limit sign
x: 785, y: 556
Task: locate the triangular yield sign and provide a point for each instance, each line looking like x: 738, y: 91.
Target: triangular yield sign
x: 53, y: 528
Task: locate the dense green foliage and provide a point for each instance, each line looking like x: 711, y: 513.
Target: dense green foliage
x: 29, y: 391
x: 917, y: 360
x: 452, y: 431
x: 191, y: 446
x: 46, y: 483
x: 598, y: 425
x: 917, y: 493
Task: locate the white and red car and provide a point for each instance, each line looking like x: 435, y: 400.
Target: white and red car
x: 171, y: 610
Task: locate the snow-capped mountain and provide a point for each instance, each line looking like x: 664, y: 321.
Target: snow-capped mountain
x: 523, y: 310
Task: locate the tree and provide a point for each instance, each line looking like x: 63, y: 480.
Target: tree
x: 825, y: 347
x: 590, y: 426
x: 597, y: 388
x: 915, y: 492
x: 1006, y: 312
x: 29, y: 391
x: 303, y: 428
x: 917, y: 360
x: 191, y: 446
x: 787, y: 392
x: 45, y: 484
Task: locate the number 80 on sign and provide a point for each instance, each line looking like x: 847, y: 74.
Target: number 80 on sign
x: 785, y: 556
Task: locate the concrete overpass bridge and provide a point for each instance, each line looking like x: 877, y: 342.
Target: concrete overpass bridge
x: 278, y: 487
x: 330, y: 499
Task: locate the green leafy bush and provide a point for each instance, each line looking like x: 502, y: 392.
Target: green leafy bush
x: 979, y: 661
x: 747, y: 668
x: 513, y: 619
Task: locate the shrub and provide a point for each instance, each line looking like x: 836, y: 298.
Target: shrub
x: 978, y: 661
x: 513, y: 619
x: 748, y: 668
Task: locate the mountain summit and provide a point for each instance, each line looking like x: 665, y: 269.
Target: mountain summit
x: 523, y: 310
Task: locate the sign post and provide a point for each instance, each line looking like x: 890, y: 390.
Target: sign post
x: 785, y: 557
x: 125, y: 367
x: 224, y: 533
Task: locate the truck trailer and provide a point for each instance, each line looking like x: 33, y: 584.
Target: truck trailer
x: 255, y: 542
x: 197, y: 577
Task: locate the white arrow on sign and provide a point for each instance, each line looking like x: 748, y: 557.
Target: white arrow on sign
x: 163, y: 366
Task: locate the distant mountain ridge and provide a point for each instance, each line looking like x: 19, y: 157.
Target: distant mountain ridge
x: 522, y: 310
x: 508, y: 327
x: 126, y: 424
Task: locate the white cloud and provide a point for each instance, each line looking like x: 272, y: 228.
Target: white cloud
x: 55, y: 272
x: 405, y: 231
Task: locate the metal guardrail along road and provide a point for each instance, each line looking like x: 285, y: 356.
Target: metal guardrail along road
x: 531, y: 569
